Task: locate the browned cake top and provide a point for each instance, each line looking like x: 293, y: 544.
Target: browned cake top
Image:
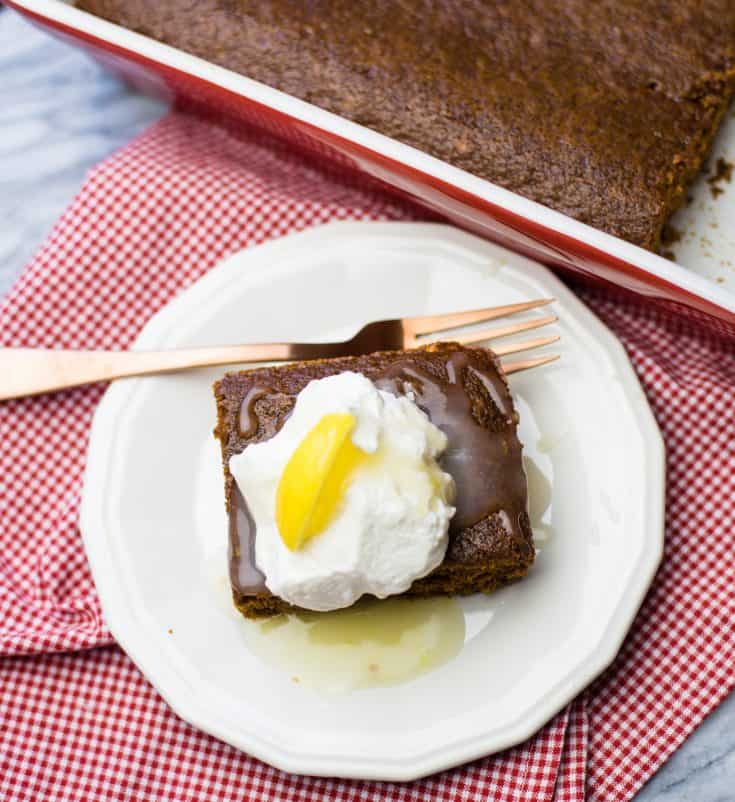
x: 463, y: 393
x: 602, y: 110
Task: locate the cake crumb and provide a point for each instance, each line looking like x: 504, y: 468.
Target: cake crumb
x: 373, y: 667
x: 296, y: 679
x: 722, y: 174
x: 170, y: 632
x: 670, y: 234
x: 720, y: 280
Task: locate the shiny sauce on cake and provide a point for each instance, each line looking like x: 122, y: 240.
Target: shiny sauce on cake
x: 479, y: 460
x: 244, y: 571
x: 248, y: 418
x: 483, y: 455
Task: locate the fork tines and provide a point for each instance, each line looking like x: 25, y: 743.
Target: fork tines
x: 527, y: 364
x: 422, y: 327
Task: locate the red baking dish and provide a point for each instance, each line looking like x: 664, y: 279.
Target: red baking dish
x: 468, y: 201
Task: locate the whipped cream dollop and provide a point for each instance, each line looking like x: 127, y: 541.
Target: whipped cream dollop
x: 391, y: 526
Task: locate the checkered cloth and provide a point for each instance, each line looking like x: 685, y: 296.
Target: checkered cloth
x: 79, y: 722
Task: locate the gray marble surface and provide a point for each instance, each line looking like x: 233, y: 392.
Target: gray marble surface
x: 59, y: 115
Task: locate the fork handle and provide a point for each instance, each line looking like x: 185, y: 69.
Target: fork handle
x: 29, y: 371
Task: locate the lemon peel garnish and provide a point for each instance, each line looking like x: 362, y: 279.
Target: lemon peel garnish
x: 315, y: 478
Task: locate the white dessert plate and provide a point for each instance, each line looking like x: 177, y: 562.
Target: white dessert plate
x: 153, y: 522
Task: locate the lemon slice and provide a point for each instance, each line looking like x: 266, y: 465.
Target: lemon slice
x: 315, y: 478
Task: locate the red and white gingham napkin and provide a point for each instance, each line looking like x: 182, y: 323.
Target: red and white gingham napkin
x: 81, y: 723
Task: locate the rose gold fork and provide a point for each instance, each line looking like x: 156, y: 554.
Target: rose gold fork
x: 28, y: 371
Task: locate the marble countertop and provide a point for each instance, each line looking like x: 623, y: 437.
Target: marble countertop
x: 59, y: 115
